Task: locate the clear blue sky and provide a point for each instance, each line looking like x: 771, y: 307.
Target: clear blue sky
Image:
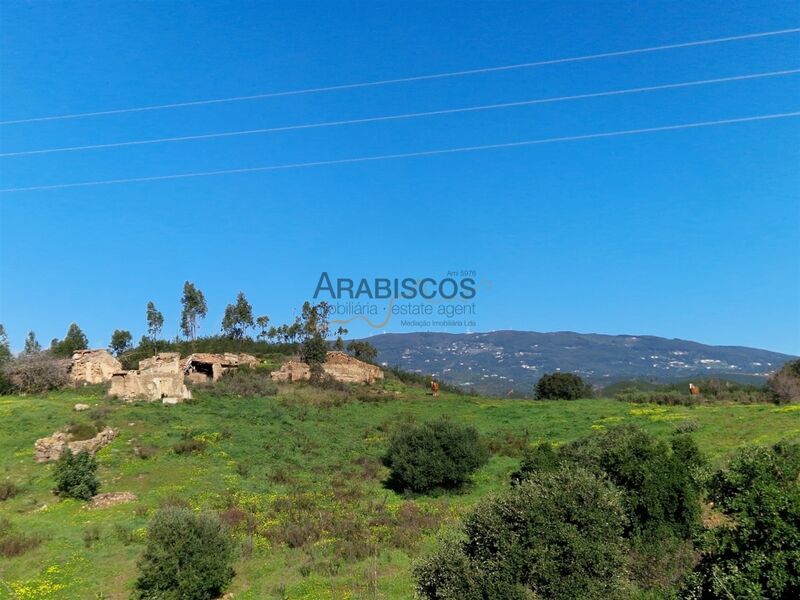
x: 692, y: 234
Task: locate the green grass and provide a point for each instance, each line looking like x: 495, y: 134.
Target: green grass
x: 303, y: 468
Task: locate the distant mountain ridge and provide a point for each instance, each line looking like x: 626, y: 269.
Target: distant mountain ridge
x: 501, y: 362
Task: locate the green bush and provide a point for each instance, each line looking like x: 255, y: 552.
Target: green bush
x: 661, y: 492
x: 187, y: 556
x: 562, y: 386
x: 658, y: 479
x: 76, y: 475
x: 8, y: 490
x: 556, y: 535
x: 757, y: 554
x: 434, y: 455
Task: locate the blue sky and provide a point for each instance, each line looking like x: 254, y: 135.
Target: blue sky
x: 690, y: 234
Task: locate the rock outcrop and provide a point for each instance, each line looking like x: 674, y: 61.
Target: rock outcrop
x: 51, y: 448
x: 338, y: 365
x: 158, y: 377
x: 107, y: 499
x: 93, y: 366
x: 203, y: 367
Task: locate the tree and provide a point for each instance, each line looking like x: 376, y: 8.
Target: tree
x: 785, y: 383
x: 74, y: 340
x: 35, y: 372
x: 238, y: 318
x: 262, y: 323
x: 194, y: 309
x: 658, y: 478
x: 362, y: 351
x: 313, y: 328
x: 557, y: 535
x: 32, y: 346
x: 340, y: 333
x: 188, y: 555
x: 76, y: 475
x: 155, y: 321
x: 121, y: 341
x: 757, y: 552
x: 5, y: 347
x: 441, y: 454
x: 562, y: 386
x: 314, y: 351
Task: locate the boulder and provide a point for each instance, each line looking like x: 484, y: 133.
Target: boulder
x: 80, y: 407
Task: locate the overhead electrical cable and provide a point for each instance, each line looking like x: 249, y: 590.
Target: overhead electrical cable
x: 415, y: 115
x: 382, y: 82
x: 423, y: 153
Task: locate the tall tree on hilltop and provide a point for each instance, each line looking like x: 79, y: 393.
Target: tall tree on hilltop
x: 5, y: 347
x: 32, y: 346
x: 238, y: 318
x: 194, y: 309
x: 74, y: 340
x: 120, y: 341
x: 262, y: 323
x: 155, y: 321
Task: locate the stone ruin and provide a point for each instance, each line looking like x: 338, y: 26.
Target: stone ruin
x: 51, y: 448
x: 93, y: 366
x: 203, y: 367
x: 338, y: 365
x: 157, y: 378
x: 292, y: 370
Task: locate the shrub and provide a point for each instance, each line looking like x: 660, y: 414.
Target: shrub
x: 785, y: 384
x: 242, y: 383
x: 555, y: 535
x: 76, y: 475
x: 660, y: 490
x: 187, y: 555
x: 90, y: 535
x: 14, y: 543
x: 36, y: 373
x: 8, y: 490
x: 562, y: 386
x: 190, y: 445
x: 542, y: 458
x: 314, y: 350
x: 758, y: 556
x: 441, y: 454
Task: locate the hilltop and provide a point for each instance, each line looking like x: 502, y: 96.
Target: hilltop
x: 501, y: 362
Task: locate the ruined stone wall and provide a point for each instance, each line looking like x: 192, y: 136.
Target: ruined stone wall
x: 51, y: 448
x: 158, y: 377
x: 339, y: 365
x: 93, y: 366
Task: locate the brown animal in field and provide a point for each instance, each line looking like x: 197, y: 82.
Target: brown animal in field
x: 435, y: 388
x: 694, y: 390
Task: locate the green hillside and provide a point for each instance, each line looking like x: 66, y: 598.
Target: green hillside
x: 297, y: 475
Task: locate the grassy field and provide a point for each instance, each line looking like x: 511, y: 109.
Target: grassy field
x: 298, y: 477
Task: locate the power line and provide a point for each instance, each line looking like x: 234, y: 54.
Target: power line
x: 361, y: 159
x: 207, y: 136
x: 350, y: 86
